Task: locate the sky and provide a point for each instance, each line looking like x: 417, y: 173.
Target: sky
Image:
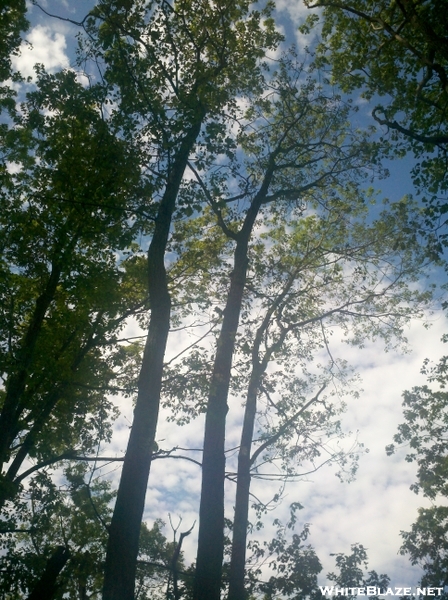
x: 373, y: 509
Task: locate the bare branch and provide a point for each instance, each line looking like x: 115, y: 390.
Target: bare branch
x: 271, y: 440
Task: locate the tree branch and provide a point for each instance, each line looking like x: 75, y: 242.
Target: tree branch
x: 437, y: 140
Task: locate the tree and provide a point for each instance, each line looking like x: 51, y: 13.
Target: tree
x: 64, y: 296
x: 69, y: 523
x: 296, y: 146
x: 172, y: 74
x: 426, y: 546
x: 352, y: 574
x: 317, y: 273
x: 71, y: 518
x: 424, y: 434
x: 12, y: 23
x: 295, y: 566
x: 399, y: 61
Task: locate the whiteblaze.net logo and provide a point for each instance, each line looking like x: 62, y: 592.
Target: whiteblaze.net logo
x: 377, y: 591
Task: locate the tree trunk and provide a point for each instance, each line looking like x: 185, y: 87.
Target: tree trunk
x: 238, y: 560
x: 124, y: 531
x: 13, y: 405
x: 15, y: 386
x: 240, y: 523
x: 207, y: 583
x: 245, y: 460
x: 46, y: 587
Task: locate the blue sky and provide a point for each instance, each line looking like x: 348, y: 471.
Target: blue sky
x: 378, y: 504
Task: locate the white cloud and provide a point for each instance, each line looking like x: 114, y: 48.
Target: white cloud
x: 296, y: 12
x: 42, y: 46
x: 372, y: 510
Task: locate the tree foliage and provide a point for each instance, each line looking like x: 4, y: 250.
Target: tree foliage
x: 13, y: 22
x: 75, y: 517
x: 353, y: 572
x: 295, y: 566
x: 64, y: 295
x: 198, y: 182
x: 424, y: 435
x: 399, y: 62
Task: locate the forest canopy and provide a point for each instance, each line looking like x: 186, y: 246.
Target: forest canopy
x: 194, y: 257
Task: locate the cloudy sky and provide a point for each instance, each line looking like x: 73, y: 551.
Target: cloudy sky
x: 371, y: 510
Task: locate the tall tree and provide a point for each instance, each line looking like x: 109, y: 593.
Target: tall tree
x: 62, y: 290
x: 296, y: 144
x: 310, y: 276
x: 178, y: 69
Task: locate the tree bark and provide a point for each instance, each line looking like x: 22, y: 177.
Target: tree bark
x: 240, y: 523
x: 207, y: 583
x: 124, y: 531
x: 238, y: 560
x: 46, y: 587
